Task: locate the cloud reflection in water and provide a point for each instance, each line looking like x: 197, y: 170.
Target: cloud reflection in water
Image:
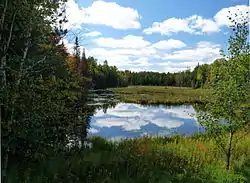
x: 129, y: 120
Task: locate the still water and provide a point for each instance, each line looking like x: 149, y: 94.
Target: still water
x: 128, y: 120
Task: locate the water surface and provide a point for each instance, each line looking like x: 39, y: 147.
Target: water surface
x: 128, y: 120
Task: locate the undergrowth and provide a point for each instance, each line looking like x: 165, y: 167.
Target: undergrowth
x: 157, y: 159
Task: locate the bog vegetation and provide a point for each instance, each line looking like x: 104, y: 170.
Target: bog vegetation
x: 162, y: 95
x: 44, y: 116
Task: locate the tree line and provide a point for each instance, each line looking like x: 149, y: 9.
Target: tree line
x: 105, y: 76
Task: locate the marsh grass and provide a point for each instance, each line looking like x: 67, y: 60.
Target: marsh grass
x: 141, y: 160
x: 161, y: 95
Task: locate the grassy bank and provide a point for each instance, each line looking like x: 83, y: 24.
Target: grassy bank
x: 161, y: 95
x: 174, y: 159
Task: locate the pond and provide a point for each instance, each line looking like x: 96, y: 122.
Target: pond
x: 128, y: 120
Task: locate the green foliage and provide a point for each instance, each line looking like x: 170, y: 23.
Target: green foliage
x: 226, y: 112
x: 39, y: 112
x: 244, y: 168
x: 105, y: 76
x: 215, y: 174
x: 161, y: 95
x: 159, y: 159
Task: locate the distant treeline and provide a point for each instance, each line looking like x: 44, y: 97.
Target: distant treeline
x: 105, y: 76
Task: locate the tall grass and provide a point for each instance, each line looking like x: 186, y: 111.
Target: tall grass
x: 161, y: 95
x: 160, y: 159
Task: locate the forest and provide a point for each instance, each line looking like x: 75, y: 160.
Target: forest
x: 45, y: 118
x: 105, y: 76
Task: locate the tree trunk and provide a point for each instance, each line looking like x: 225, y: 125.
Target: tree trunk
x: 4, y: 85
x: 4, y: 50
x: 229, y: 151
x: 3, y: 18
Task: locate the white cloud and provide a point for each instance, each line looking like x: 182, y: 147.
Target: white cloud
x: 222, y: 19
x: 128, y: 41
x: 204, y: 51
x: 169, y: 44
x: 75, y: 15
x: 207, y: 44
x: 69, y: 46
x: 119, y: 58
x: 141, y: 69
x: 127, y: 51
x: 143, y: 61
x: 93, y: 34
x: 204, y: 25
x: 131, y: 50
x: 172, y: 66
x: 180, y: 60
x: 110, y: 122
x: 128, y: 124
x: 196, y: 24
x: 178, y: 66
x: 102, y: 13
x: 123, y: 113
x: 161, y: 122
x: 172, y: 25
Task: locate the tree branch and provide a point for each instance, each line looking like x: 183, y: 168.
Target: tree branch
x: 5, y: 49
x: 3, y: 18
x: 38, y: 62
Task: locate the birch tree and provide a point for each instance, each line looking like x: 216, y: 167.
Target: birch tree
x: 227, y: 112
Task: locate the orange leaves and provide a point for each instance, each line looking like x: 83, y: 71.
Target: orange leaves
x: 200, y: 146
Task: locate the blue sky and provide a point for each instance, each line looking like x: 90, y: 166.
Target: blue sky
x: 155, y: 35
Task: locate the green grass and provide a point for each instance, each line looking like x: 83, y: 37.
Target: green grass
x: 161, y: 95
x: 144, y: 160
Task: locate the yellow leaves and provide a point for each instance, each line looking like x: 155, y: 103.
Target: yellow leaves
x: 72, y: 63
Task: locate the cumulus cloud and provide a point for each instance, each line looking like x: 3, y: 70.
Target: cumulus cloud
x: 180, y: 60
x: 204, y: 51
x: 131, y: 50
x: 234, y: 12
x: 203, y: 25
x: 102, y: 13
x: 119, y: 58
x: 169, y: 44
x: 196, y: 24
x: 171, y: 25
x: 127, y: 51
x: 128, y: 41
x: 179, y: 66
